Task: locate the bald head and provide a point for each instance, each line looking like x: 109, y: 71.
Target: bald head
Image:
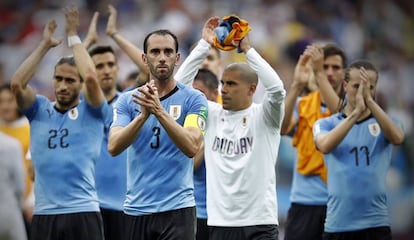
x: 246, y: 73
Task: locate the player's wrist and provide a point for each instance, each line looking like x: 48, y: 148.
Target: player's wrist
x: 112, y: 35
x: 74, y: 40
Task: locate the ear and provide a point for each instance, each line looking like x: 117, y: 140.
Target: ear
x: 177, y: 59
x: 344, y: 85
x: 252, y: 89
x: 144, y: 58
x: 216, y: 93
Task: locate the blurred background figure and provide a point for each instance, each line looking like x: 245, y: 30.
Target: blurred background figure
x: 12, y: 189
x: 14, y: 124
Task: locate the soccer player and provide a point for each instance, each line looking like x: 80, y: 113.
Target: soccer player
x: 162, y: 123
x: 66, y: 137
x: 308, y: 197
x: 357, y: 144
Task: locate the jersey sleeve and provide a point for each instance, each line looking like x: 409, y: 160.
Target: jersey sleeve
x: 101, y: 111
x: 273, y: 102
x: 198, y: 112
x: 189, y: 68
x: 323, y: 125
x: 121, y: 114
x: 30, y: 112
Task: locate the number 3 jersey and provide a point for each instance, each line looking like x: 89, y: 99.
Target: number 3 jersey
x: 357, y: 170
x: 64, y: 148
x: 159, y: 174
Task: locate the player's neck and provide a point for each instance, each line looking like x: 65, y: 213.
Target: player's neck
x: 165, y: 87
x: 109, y: 95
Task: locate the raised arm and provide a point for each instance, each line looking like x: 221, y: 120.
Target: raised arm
x: 189, y: 68
x: 301, y: 78
x: 25, y: 95
x: 92, y: 35
x: 91, y: 90
x: 329, y: 95
x: 273, y: 103
x: 325, y: 142
x: 133, y: 52
x: 391, y: 130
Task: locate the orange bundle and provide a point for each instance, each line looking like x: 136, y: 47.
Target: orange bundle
x: 230, y: 31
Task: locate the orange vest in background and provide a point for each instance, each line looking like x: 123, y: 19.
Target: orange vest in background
x: 310, y: 161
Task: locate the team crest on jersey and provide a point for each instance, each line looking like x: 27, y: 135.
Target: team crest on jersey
x: 201, y: 122
x: 73, y: 113
x: 244, y: 122
x: 175, y: 111
x: 374, y: 129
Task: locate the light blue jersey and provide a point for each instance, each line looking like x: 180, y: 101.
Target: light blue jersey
x: 64, y: 149
x: 159, y: 175
x: 308, y: 189
x: 357, y: 170
x: 110, y: 172
x: 200, y: 190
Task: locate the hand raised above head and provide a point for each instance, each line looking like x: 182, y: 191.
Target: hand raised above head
x: 303, y: 70
x: 72, y: 20
x: 208, y: 33
x: 317, y: 57
x: 111, y: 25
x: 92, y: 35
x: 48, y: 32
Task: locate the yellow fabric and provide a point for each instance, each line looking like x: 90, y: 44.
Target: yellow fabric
x: 310, y: 161
x: 21, y: 131
x: 238, y: 32
x: 196, y: 121
x: 219, y: 99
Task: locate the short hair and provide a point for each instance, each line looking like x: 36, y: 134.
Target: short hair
x: 66, y: 59
x: 162, y: 32
x: 208, y: 78
x: 357, y: 64
x: 247, y: 74
x: 331, y: 49
x: 100, y: 50
x: 69, y: 60
x: 7, y: 87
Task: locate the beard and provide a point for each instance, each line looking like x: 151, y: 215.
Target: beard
x: 67, y: 101
x: 162, y: 76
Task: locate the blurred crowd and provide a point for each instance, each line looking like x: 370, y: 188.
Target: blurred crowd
x: 379, y: 30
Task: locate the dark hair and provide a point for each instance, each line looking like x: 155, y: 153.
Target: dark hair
x: 359, y: 64
x: 331, y: 49
x: 208, y: 78
x: 161, y: 32
x: 69, y: 60
x: 7, y: 87
x: 100, y: 50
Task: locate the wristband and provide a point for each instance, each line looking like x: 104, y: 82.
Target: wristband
x: 73, y: 40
